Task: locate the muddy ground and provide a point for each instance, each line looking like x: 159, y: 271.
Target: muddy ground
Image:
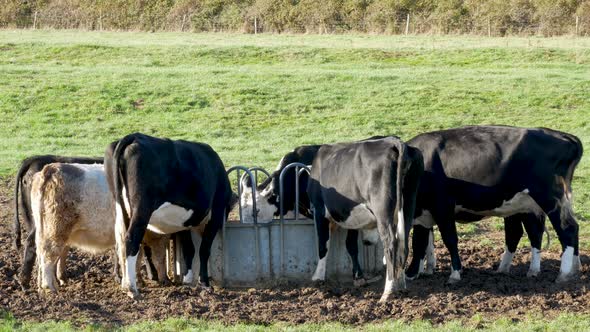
x: 92, y: 295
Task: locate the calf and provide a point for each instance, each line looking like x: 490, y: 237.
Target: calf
x: 71, y: 206
x: 22, y: 202
x: 370, y: 186
x: 476, y: 172
x: 165, y: 186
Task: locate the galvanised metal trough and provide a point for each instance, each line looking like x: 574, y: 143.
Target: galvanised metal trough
x: 270, y: 253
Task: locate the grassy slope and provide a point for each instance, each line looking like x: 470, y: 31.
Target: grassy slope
x: 253, y: 98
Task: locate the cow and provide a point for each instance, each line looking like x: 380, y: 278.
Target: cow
x: 165, y: 186
x: 22, y: 202
x: 71, y: 207
x: 369, y: 186
x: 358, y: 174
x: 474, y: 172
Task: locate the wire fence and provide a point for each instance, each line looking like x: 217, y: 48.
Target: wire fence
x: 408, y: 25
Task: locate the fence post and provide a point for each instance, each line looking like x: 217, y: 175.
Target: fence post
x: 35, y: 21
x: 255, y: 25
x: 407, y: 23
x: 577, y: 24
x: 100, y: 19
x: 489, y: 28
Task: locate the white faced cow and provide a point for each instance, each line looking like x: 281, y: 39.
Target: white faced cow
x: 165, y: 186
x: 476, y: 172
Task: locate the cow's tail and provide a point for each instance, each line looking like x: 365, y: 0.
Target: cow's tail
x: 18, y: 200
x: 565, y: 202
x: 118, y: 175
x: 399, y: 226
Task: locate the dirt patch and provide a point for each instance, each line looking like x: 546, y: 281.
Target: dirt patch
x: 92, y: 295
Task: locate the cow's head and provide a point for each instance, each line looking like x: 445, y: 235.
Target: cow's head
x: 267, y: 201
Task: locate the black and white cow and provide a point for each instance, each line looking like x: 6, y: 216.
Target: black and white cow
x: 268, y: 199
x: 165, y: 186
x: 369, y: 186
x: 22, y: 202
x: 476, y: 172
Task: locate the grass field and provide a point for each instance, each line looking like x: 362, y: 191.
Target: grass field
x: 254, y: 98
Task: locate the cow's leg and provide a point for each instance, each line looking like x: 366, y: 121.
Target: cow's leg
x: 61, y: 266
x: 512, y: 233
x: 29, y: 257
x: 188, y: 253
x: 49, y: 252
x: 430, y: 256
x: 535, y: 226
x: 568, y: 236
x: 353, y: 251
x: 158, y: 259
x: 323, y: 230
x: 448, y: 232
x: 131, y: 244
x: 420, y: 238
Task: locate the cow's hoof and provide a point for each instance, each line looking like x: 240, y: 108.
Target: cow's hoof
x: 188, y: 278
x: 62, y: 282
x: 206, y: 289
x: 454, y: 278
x: 562, y: 278
x: 165, y: 282
x: 412, y: 278
x: 429, y: 270
x: 359, y: 282
x: 532, y: 274
x: 134, y: 295
x: 385, y: 297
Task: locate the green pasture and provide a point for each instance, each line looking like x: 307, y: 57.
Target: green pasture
x: 256, y: 97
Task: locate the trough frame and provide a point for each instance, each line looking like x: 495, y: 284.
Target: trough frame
x: 265, y: 254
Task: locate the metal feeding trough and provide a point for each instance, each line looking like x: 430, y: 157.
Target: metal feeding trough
x: 282, y: 250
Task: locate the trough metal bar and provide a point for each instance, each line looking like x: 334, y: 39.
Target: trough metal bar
x: 281, y: 207
x: 296, y: 192
x: 254, y: 215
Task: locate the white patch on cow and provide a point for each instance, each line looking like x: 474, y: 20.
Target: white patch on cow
x: 430, y: 256
x: 506, y: 261
x: 371, y: 235
x: 120, y: 231
x: 384, y: 260
x: 266, y: 211
x: 567, y: 260
x: 131, y: 280
x: 361, y: 217
x: 126, y: 201
x: 522, y: 202
x: 95, y: 230
x: 421, y: 267
x: 320, y: 271
x: 425, y: 220
x: 388, y: 290
x: 455, y: 276
x: 170, y: 218
x: 535, y: 266
x: 188, y: 278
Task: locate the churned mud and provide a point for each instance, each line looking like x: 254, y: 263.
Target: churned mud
x: 93, y: 296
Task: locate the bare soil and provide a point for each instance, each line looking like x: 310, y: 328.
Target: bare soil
x: 93, y: 296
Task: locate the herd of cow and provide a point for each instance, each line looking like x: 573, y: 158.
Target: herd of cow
x: 147, y: 188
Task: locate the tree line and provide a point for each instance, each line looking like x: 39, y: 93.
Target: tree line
x: 485, y: 17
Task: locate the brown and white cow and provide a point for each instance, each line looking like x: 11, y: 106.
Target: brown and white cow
x: 71, y: 207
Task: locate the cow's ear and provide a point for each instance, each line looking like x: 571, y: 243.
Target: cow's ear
x: 245, y: 181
